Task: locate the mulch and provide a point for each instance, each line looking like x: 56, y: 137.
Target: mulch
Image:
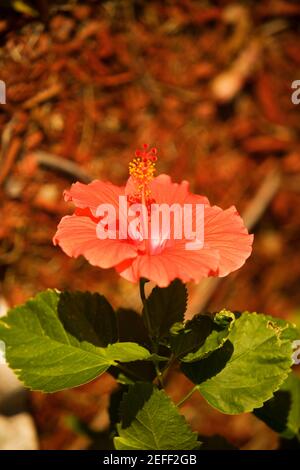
x: 209, y: 86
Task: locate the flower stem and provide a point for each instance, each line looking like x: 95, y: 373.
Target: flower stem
x: 187, y: 396
x: 146, y: 312
x: 149, y: 328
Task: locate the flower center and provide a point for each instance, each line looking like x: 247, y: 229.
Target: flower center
x: 142, y: 170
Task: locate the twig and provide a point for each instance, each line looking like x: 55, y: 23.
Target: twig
x: 12, y: 154
x: 43, y: 95
x: 65, y: 166
x: 6, y: 137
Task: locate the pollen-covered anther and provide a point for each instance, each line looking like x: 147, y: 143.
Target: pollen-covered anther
x: 142, y: 170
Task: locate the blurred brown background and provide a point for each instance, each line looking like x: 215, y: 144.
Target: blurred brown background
x: 209, y: 84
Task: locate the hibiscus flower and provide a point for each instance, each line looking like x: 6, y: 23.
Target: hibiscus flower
x: 162, y: 258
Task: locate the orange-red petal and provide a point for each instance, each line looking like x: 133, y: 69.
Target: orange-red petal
x: 173, y: 262
x: 93, y: 194
x: 224, y: 230
x: 76, y: 235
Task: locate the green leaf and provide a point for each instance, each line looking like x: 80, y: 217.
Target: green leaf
x: 133, y: 401
x: 131, y: 327
x: 282, y: 412
x: 250, y: 366
x: 202, y: 335
x: 126, y: 352
x: 48, y: 353
x: 89, y: 317
x: 189, y: 337
x: 292, y: 386
x: 152, y: 422
x: 166, y: 306
x: 223, y: 323
x: 115, y: 401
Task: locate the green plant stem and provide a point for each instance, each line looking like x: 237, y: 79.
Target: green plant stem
x: 187, y: 396
x: 168, y: 366
x: 162, y: 374
x: 158, y: 374
x: 146, y: 312
x: 149, y: 328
